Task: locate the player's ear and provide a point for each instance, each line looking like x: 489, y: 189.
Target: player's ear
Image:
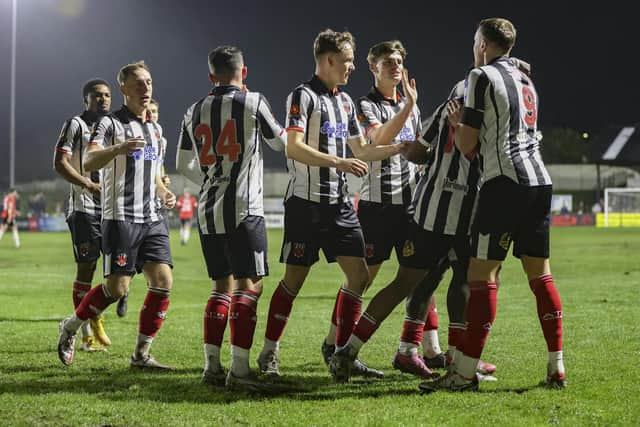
x: 244, y: 72
x: 213, y: 79
x: 372, y: 67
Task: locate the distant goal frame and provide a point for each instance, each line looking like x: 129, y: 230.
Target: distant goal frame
x: 610, y: 190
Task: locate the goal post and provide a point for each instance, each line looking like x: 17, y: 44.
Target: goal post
x: 622, y: 207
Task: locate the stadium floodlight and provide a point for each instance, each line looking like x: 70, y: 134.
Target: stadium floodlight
x: 12, y: 108
x: 622, y: 207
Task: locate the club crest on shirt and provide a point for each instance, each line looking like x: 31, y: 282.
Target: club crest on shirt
x: 121, y: 259
x: 408, y: 249
x: 347, y: 107
x: 294, y: 110
x: 362, y: 118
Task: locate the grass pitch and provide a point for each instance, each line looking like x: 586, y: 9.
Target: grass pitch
x: 596, y: 270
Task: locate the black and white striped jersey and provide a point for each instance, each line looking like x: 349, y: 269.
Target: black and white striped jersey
x: 390, y: 181
x: 446, y: 193
x: 73, y: 141
x: 502, y: 103
x: 327, y: 117
x: 220, y: 146
x: 129, y: 181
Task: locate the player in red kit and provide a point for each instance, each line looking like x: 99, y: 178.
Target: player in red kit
x: 9, y: 213
x: 186, y: 205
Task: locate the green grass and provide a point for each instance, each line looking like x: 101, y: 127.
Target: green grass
x: 596, y: 270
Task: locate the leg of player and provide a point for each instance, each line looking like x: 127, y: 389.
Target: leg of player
x: 81, y: 286
x: 329, y: 343
x: 481, y: 312
x: 418, y: 304
x: 379, y: 308
x: 433, y: 356
x: 457, y: 297
x: 16, y: 237
x: 242, y: 323
x: 93, y: 303
x: 215, y: 322
x: 152, y: 314
x: 550, y: 315
x: 279, y: 310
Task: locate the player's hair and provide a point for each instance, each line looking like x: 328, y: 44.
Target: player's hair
x: 88, y: 86
x: 332, y: 41
x: 128, y: 69
x: 155, y: 102
x: 225, y: 61
x: 386, y: 48
x: 499, y: 31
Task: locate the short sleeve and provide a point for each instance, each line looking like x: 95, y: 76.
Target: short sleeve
x: 68, y: 136
x: 367, y: 115
x: 299, y: 106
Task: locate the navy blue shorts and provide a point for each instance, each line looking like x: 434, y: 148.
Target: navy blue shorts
x: 508, y: 211
x: 311, y: 226
x: 127, y: 246
x: 385, y: 227
x: 242, y: 252
x: 86, y: 236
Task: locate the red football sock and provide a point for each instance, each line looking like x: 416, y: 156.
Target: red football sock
x: 154, y: 311
x: 549, y: 310
x: 215, y: 317
x: 80, y: 289
x: 349, y: 308
x: 279, y: 311
x: 412, y: 330
x: 481, y: 312
x: 242, y: 318
x: 365, y: 327
x: 431, y: 321
x: 93, y: 303
x: 334, y: 313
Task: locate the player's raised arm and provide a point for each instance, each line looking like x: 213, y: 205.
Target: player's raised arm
x: 299, y: 151
x: 98, y: 154
x: 384, y: 134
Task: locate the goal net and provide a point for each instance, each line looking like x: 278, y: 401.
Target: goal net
x: 622, y: 207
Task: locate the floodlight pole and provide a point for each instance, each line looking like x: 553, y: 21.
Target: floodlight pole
x: 12, y: 113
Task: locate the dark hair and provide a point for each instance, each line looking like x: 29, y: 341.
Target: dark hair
x: 225, y: 61
x: 130, y: 68
x: 88, y: 86
x: 386, y: 48
x: 499, y: 31
x: 155, y: 102
x: 332, y: 41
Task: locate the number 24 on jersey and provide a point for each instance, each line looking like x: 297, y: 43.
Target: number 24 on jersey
x: 226, y: 145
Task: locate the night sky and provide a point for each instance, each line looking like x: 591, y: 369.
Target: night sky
x: 584, y: 58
